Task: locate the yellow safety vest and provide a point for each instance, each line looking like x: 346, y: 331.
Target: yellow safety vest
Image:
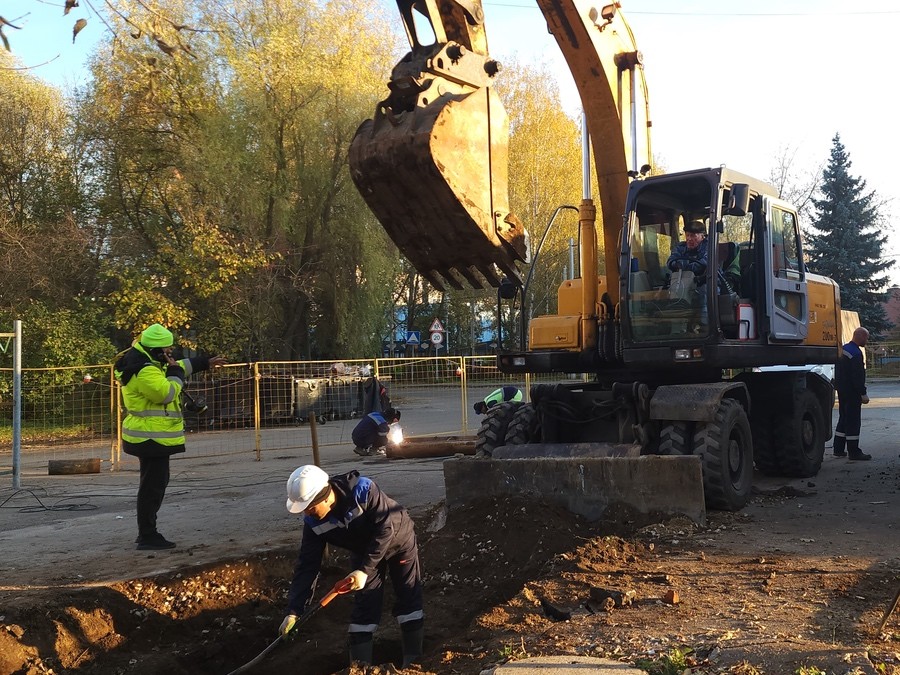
x: 153, y: 404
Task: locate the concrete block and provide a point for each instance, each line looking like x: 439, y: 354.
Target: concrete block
x: 640, y: 490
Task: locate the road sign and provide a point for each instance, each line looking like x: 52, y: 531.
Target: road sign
x: 413, y: 337
x: 437, y: 338
x: 436, y: 326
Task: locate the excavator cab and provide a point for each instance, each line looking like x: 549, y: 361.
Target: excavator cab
x: 749, y: 304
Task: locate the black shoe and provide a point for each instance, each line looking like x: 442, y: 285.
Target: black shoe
x: 154, y: 542
x: 859, y: 457
x: 840, y: 454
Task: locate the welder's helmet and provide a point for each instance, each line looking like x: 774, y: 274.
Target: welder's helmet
x: 157, y: 336
x: 695, y: 226
x: 307, y: 485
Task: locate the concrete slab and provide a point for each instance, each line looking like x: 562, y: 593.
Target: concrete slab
x: 566, y: 665
x: 643, y: 489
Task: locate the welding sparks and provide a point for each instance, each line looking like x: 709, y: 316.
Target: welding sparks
x: 395, y: 435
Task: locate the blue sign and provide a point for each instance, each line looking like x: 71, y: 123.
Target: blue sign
x: 413, y: 337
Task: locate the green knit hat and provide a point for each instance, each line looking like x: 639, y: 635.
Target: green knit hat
x: 157, y: 336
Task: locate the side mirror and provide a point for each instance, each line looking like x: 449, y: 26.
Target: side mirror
x: 739, y: 203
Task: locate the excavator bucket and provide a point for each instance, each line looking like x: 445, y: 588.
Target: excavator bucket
x: 432, y: 163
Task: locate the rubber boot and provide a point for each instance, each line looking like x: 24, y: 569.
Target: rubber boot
x: 361, y: 647
x: 839, y: 442
x: 855, y: 454
x: 412, y: 634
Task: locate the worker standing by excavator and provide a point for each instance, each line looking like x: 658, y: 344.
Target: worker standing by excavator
x: 850, y: 379
x: 351, y: 512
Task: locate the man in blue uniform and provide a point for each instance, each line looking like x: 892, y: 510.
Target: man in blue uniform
x: 351, y: 512
x: 370, y: 435
x: 850, y: 381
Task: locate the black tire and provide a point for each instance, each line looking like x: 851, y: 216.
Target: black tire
x: 675, y: 439
x: 521, y: 428
x: 492, y: 433
x: 801, y: 437
x: 726, y: 447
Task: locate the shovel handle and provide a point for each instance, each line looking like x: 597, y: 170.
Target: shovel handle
x: 341, y: 587
x: 338, y: 589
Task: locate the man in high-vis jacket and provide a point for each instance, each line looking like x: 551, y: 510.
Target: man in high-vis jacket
x: 153, y: 428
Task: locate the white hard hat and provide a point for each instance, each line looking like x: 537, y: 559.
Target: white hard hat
x: 303, y: 486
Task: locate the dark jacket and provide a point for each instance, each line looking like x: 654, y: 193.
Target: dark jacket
x: 364, y: 521
x: 691, y: 260
x: 371, y: 431
x: 850, y: 373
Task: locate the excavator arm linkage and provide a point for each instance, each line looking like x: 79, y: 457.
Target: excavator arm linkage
x: 432, y: 163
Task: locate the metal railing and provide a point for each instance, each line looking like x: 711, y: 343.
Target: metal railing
x: 262, y: 407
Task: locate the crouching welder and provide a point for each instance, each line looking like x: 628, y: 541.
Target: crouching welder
x: 371, y: 434
x: 351, y: 512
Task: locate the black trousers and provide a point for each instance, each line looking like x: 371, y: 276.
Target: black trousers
x: 152, y: 490
x: 406, y: 578
x: 849, y: 423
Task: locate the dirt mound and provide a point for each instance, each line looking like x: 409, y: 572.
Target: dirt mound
x: 505, y: 579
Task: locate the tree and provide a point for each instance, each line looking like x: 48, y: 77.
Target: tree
x: 544, y: 173
x: 796, y: 187
x: 219, y: 174
x: 847, y: 244
x: 48, y: 254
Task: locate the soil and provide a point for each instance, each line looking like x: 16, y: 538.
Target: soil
x: 797, y: 582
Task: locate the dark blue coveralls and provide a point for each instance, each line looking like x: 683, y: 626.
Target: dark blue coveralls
x: 371, y: 431
x: 850, y: 381
x: 381, y: 538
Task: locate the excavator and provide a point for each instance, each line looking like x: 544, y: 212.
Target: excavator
x: 674, y: 357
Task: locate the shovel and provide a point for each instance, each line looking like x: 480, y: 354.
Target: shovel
x: 339, y: 589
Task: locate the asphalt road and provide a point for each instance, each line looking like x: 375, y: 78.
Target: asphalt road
x: 80, y: 529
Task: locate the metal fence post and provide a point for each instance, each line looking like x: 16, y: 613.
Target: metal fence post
x: 257, y: 417
x: 464, y: 395
x: 17, y: 405
x: 115, y: 420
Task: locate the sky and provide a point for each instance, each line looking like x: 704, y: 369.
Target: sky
x: 737, y: 83
x: 734, y: 83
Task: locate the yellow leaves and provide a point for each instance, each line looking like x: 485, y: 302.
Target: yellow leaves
x: 138, y: 304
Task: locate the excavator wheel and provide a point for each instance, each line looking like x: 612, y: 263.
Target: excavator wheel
x: 493, y: 428
x: 521, y: 429
x: 675, y: 439
x: 801, y: 436
x: 726, y: 447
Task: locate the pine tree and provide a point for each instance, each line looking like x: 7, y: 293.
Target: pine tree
x: 847, y: 246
